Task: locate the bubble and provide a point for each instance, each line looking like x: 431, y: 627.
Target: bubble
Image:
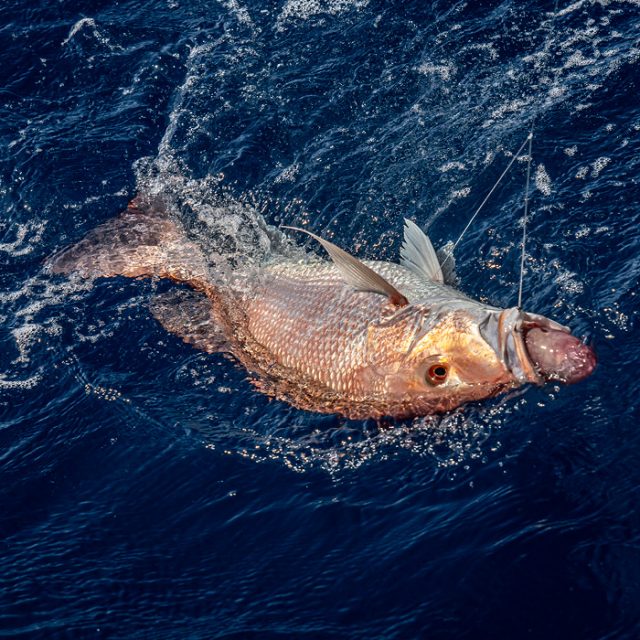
x: 241, y: 13
x: 448, y: 442
x: 455, y: 194
x: 511, y: 106
x: 577, y: 59
x: 288, y: 174
x: 582, y: 232
x: 232, y: 234
x: 567, y: 282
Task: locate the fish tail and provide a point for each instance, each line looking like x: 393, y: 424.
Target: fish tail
x: 143, y: 241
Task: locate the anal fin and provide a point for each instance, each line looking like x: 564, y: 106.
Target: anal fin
x: 189, y: 315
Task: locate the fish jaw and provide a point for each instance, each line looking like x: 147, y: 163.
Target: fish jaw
x: 536, y: 349
x: 503, y: 331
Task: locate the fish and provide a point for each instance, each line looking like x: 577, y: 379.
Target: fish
x: 359, y: 338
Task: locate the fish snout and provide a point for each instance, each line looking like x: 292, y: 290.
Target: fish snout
x: 558, y: 355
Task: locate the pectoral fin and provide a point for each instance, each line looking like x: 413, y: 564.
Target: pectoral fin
x: 189, y: 315
x: 356, y: 273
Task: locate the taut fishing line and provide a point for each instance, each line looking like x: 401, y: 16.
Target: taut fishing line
x: 525, y: 218
x: 516, y: 155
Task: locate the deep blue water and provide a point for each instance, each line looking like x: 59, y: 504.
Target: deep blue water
x: 146, y: 490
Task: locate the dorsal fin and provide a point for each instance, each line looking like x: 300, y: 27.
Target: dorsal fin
x: 448, y: 264
x: 418, y: 254
x: 356, y: 273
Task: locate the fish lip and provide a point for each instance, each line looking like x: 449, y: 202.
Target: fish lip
x: 508, y: 340
x: 512, y: 347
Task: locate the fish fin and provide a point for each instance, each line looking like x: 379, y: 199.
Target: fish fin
x: 448, y: 264
x: 142, y: 241
x: 418, y: 254
x: 189, y: 314
x: 356, y: 273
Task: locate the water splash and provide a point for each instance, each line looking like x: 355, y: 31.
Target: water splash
x: 452, y: 441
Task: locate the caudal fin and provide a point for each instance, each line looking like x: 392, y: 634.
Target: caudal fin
x: 142, y: 241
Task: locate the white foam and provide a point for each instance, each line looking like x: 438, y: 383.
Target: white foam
x: 514, y: 106
x: 27, y: 237
x: 288, y: 174
x: 304, y: 9
x: 90, y: 23
x: 239, y: 12
x: 455, y: 194
x: 486, y: 47
x: 582, y: 232
x: 577, y: 59
x: 571, y: 8
x: 84, y: 22
x: 196, y: 70
x: 231, y: 233
x: 598, y: 165
x: 26, y: 336
x: 30, y: 312
x: 26, y: 383
x: 582, y: 173
x: 543, y: 181
x: 444, y: 71
x: 448, y: 166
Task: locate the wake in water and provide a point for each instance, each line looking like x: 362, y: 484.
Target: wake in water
x: 446, y: 442
x: 232, y: 229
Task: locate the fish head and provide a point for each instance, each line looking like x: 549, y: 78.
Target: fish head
x: 468, y: 351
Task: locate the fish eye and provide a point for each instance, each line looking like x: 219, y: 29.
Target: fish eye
x: 437, y: 373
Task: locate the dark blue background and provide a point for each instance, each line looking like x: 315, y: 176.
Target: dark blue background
x: 146, y: 490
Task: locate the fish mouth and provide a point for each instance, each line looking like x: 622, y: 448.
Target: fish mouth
x: 507, y: 332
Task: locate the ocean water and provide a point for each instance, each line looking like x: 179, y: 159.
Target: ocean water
x: 146, y: 489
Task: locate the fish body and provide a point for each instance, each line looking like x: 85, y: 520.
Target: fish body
x: 363, y: 339
x: 356, y: 353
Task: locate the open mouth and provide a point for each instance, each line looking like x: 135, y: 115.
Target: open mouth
x: 536, y: 349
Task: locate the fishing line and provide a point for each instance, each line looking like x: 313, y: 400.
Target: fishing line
x: 529, y: 140
x: 525, y: 218
x: 475, y: 215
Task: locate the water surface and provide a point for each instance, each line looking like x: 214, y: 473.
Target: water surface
x: 146, y: 490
